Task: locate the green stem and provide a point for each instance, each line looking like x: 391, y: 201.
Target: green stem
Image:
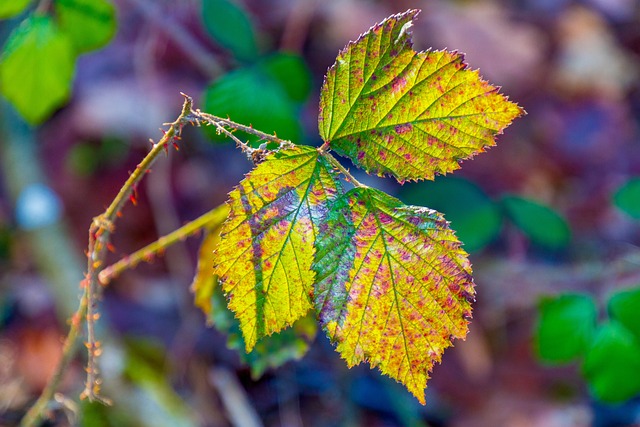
x: 335, y: 163
x: 208, y: 220
x: 129, y: 186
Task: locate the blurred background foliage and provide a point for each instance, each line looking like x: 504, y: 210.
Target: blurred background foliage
x: 550, y: 216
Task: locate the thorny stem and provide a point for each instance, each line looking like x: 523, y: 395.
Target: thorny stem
x: 99, y: 237
x: 35, y: 413
x: 217, y: 121
x: 146, y: 254
x: 336, y: 164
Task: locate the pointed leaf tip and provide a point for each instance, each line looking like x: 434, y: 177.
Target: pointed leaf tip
x: 394, y: 111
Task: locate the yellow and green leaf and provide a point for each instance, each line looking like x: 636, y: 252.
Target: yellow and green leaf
x: 269, y: 352
x: 393, y: 288
x: 395, y: 111
x: 267, y: 243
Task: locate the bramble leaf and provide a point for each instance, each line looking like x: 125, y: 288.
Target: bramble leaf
x: 566, y: 327
x: 624, y: 306
x: 398, y: 291
x: 541, y: 224
x: 627, y: 198
x: 37, y: 59
x: 267, y: 243
x: 395, y: 111
x: 252, y: 96
x: 269, y: 352
x: 90, y: 24
x: 228, y: 23
x: 611, y: 364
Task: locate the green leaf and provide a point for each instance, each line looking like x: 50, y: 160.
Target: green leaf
x: 292, y: 72
x: 252, y: 97
x: 398, y: 293
x: 395, y: 111
x: 36, y: 68
x: 624, y: 306
x: 267, y: 243
x: 229, y: 24
x: 11, y: 8
x: 90, y: 24
x: 474, y: 216
x: 565, y: 328
x: 627, y: 198
x: 539, y: 223
x: 612, y: 364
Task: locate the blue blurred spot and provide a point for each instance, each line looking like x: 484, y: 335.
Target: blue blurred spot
x: 37, y: 206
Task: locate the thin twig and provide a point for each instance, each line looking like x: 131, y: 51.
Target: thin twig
x: 213, y: 120
x: 147, y: 253
x: 99, y: 237
x: 36, y: 412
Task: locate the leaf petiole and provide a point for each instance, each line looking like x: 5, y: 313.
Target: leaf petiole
x: 336, y: 164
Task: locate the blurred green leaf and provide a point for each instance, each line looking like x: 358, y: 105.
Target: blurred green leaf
x: 146, y: 367
x: 229, y: 24
x: 539, y: 223
x: 95, y: 414
x: 624, y: 306
x: 612, y: 363
x: 250, y: 96
x: 86, y: 158
x: 90, y: 24
x: 627, y: 198
x: 565, y: 327
x: 292, y: 72
x: 36, y: 68
x: 82, y: 159
x: 11, y: 8
x: 474, y: 217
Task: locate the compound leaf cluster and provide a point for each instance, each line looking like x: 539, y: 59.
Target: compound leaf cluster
x: 389, y: 283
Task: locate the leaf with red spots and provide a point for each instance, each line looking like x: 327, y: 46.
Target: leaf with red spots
x: 267, y: 243
x: 393, y: 286
x: 395, y: 111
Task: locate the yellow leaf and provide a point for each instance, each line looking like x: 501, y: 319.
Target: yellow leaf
x: 267, y: 244
x: 398, y: 292
x: 394, y: 111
